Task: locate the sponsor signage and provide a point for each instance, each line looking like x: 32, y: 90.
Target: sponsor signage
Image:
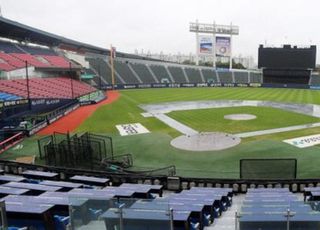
x: 71, y: 109
x: 16, y: 102
x: 37, y: 128
x: 180, y: 85
x: 187, y: 85
x: 145, y: 86
x: 55, y: 118
x: 131, y: 129
x: 202, y: 85
x: 255, y: 84
x: 206, y: 45
x: 315, y: 87
x: 37, y: 102
x: 159, y: 85
x: 223, y: 48
x: 63, y: 113
x: 304, y: 142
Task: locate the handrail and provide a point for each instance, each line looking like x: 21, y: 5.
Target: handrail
x: 10, y: 141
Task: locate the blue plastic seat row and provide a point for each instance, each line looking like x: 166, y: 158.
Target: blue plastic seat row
x: 8, y: 96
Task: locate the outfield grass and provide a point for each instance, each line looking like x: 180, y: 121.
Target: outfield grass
x: 153, y: 150
x: 126, y: 109
x: 208, y: 120
x: 147, y: 96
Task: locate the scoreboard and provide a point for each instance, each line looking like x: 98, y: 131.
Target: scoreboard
x: 287, y: 57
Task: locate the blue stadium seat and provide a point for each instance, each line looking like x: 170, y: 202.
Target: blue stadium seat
x: 224, y: 206
x: 32, y: 181
x: 17, y: 228
x: 31, y: 224
x: 194, y: 225
x: 88, y: 187
x: 94, y: 213
x: 8, y: 97
x: 61, y: 222
x: 206, y: 219
x: 216, y: 212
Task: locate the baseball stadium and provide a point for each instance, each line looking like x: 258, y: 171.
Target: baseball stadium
x: 95, y: 138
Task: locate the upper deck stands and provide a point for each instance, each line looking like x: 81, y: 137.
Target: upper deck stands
x: 46, y: 87
x: 13, y: 56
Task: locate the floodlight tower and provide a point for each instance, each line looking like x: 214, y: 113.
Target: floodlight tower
x: 209, y: 45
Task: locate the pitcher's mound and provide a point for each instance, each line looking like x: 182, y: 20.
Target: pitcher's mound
x: 240, y: 117
x: 205, y: 141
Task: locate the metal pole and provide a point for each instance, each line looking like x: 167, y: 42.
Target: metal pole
x: 171, y: 218
x: 4, y: 221
x: 28, y: 86
x: 230, y: 62
x: 112, y: 66
x: 100, y: 75
x: 236, y: 219
x: 214, y: 44
x: 70, y: 68
x: 197, y: 43
x: 121, y: 218
x: 71, y: 217
x: 288, y: 219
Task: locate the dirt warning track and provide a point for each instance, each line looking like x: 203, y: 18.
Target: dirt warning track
x: 71, y: 121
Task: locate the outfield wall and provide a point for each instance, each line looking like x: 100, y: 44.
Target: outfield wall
x: 200, y: 85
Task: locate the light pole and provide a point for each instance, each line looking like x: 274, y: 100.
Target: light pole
x: 28, y: 86
x: 72, y: 95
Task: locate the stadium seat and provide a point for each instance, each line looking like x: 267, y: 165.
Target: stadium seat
x: 224, y: 206
x: 94, y: 213
x: 56, y: 61
x: 61, y: 222
x: 177, y: 74
x: 206, y: 219
x: 17, y: 228
x: 59, y: 87
x: 194, y: 225
x: 30, y: 224
x: 32, y: 60
x: 32, y: 181
x: 216, y: 212
x: 124, y: 70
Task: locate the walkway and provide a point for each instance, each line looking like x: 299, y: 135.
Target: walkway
x: 228, y: 219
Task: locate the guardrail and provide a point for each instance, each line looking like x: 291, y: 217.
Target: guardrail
x: 7, y: 143
x: 171, y: 183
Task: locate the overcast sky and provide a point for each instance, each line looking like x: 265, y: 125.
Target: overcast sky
x: 163, y: 25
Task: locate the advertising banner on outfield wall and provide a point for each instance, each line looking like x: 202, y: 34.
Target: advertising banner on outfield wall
x: 206, y: 45
x: 223, y: 46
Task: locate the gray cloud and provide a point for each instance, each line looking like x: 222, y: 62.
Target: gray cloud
x: 163, y: 25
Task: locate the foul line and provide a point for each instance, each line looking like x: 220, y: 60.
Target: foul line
x: 277, y: 130
x: 159, y: 111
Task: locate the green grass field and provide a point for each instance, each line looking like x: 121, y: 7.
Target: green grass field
x: 208, y: 120
x: 154, y: 150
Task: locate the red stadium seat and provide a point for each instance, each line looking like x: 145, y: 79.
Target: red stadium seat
x: 46, y: 87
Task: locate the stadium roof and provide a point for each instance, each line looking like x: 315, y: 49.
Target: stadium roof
x: 20, y: 32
